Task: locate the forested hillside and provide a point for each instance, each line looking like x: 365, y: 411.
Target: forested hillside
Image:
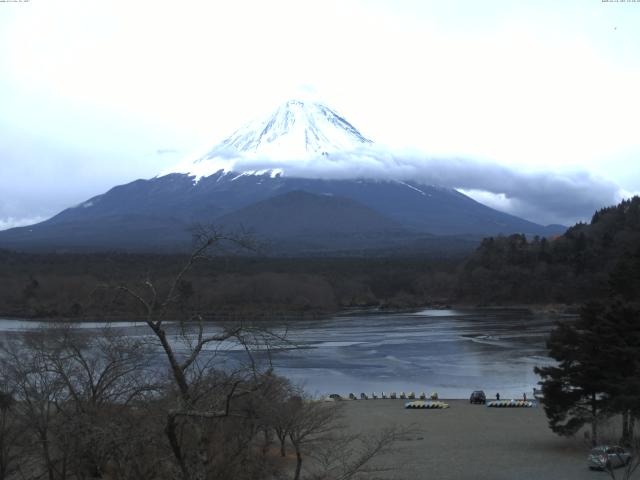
x: 570, y: 268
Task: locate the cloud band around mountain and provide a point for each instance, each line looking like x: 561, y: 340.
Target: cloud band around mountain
x: 543, y: 197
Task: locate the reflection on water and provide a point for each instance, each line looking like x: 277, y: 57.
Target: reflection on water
x: 449, y: 351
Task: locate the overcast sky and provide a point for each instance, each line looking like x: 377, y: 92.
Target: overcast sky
x: 528, y: 106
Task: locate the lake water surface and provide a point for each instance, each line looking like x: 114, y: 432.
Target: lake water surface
x: 449, y: 351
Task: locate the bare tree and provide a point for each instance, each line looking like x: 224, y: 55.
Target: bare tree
x: 182, y: 344
x: 276, y: 410
x: 105, y: 369
x: 38, y: 394
x: 10, y: 437
x: 316, y: 432
x: 103, y: 374
x: 72, y: 390
x: 310, y: 423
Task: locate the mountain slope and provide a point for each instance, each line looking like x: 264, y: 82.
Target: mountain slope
x: 302, y: 213
x: 129, y: 232
x: 182, y: 202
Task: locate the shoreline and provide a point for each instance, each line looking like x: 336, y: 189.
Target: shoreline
x: 538, y: 309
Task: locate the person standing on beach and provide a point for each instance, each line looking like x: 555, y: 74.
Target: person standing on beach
x: 524, y: 396
x: 497, y: 396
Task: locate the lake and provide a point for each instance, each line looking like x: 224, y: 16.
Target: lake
x: 451, y: 352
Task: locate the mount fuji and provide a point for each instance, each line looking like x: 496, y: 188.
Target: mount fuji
x: 297, y: 131
x: 244, y: 182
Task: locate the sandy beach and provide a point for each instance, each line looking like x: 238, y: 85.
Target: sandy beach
x: 472, y: 442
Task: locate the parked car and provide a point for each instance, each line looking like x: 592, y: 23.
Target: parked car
x: 608, y: 456
x: 478, y: 397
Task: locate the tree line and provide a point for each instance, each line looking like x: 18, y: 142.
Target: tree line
x: 571, y: 268
x: 253, y: 286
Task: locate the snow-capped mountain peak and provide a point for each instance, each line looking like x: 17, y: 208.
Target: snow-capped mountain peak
x: 296, y: 130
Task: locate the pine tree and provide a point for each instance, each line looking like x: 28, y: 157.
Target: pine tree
x: 575, y: 391
x: 623, y: 349
x: 598, y: 371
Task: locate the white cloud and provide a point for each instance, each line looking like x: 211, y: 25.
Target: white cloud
x: 543, y: 196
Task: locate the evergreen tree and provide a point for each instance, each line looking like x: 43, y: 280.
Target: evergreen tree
x: 575, y: 390
x: 598, y: 371
x: 623, y: 349
x: 624, y: 280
